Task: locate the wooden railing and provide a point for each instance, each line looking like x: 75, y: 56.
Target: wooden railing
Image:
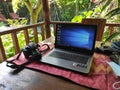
x: 111, y: 27
x: 14, y: 31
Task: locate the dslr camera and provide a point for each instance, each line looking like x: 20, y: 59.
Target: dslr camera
x: 31, y: 50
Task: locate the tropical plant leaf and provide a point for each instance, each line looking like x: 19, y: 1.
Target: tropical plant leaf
x: 106, y: 5
x: 111, y: 37
x: 113, y: 13
x: 77, y: 18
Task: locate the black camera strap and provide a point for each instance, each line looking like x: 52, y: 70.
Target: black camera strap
x: 37, y: 55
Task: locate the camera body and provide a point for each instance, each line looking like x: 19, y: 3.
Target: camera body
x: 31, y: 50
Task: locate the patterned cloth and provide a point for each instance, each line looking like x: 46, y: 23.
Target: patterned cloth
x: 100, y: 77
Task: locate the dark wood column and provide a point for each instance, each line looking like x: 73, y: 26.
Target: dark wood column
x: 46, y: 14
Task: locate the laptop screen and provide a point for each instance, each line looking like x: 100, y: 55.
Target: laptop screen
x: 76, y: 35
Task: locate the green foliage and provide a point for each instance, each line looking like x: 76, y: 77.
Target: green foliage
x: 111, y: 37
x: 16, y: 4
x: 79, y: 18
x: 85, y: 9
x: 112, y: 13
x: 108, y: 9
x: 100, y: 8
x: 66, y: 10
x: 5, y: 8
x: 106, y: 5
x: 62, y: 10
x: 16, y: 22
x: 2, y: 24
x: 33, y: 6
x: 21, y: 39
x: 7, y: 43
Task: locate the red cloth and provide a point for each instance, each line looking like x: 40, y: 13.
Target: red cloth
x: 100, y: 77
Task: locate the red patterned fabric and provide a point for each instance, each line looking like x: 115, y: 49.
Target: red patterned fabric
x: 100, y: 77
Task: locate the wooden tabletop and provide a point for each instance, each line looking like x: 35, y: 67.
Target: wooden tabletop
x: 33, y: 80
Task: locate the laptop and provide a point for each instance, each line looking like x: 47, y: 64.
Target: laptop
x: 74, y: 47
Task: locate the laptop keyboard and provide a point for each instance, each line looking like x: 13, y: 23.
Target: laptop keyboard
x: 70, y: 57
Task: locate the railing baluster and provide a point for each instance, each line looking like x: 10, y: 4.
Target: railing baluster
x: 43, y: 32
x: 15, y: 42
x: 54, y: 29
x: 35, y: 34
x: 2, y: 51
x: 111, y: 28
x: 26, y: 36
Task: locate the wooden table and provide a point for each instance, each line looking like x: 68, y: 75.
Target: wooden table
x: 33, y: 80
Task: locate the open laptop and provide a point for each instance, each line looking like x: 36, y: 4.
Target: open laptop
x: 74, y: 47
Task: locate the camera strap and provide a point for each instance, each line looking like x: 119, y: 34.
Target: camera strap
x: 37, y: 55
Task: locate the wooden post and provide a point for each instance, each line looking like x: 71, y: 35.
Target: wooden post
x: 111, y: 28
x: 46, y: 14
x: 15, y: 42
x: 2, y: 51
x: 35, y: 34
x: 100, y: 26
x: 27, y: 39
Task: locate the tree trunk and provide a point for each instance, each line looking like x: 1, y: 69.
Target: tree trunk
x: 33, y: 17
x: 77, y: 6
x: 34, y: 11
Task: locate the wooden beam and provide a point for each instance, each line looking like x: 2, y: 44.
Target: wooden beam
x: 46, y: 15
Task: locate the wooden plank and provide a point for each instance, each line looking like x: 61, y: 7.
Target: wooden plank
x: 27, y: 39
x: 2, y: 51
x: 15, y: 42
x: 113, y: 24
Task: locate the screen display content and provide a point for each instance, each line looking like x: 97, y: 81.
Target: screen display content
x: 76, y: 35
